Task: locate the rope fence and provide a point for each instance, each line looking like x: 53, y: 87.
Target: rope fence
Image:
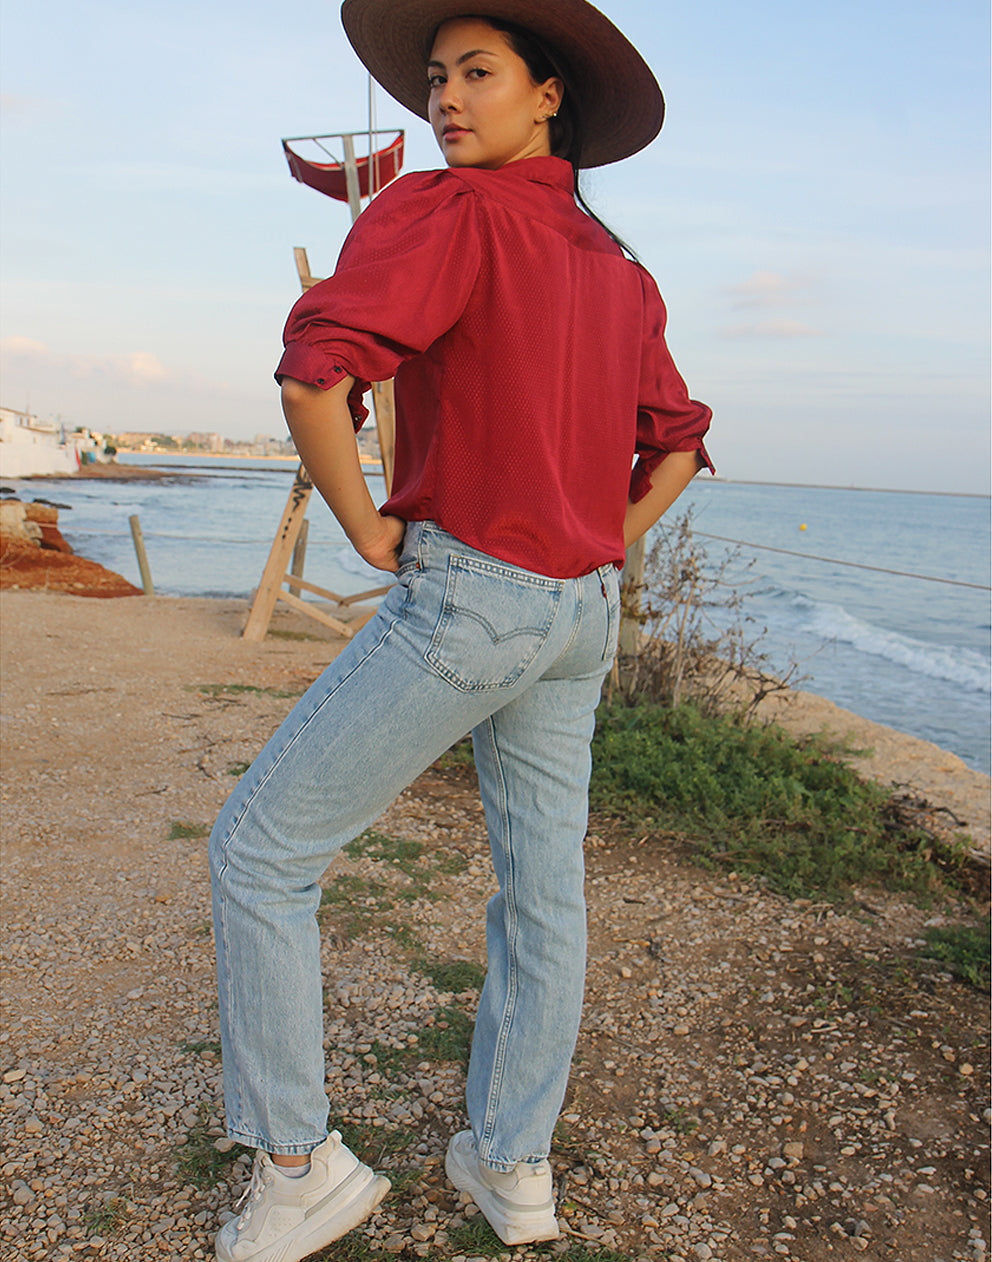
x: 741, y: 543
x: 854, y: 565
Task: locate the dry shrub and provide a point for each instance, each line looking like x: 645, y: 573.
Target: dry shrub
x: 696, y: 640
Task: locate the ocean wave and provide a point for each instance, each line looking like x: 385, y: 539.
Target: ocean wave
x: 962, y: 666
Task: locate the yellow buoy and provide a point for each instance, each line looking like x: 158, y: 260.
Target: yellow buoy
x: 803, y: 526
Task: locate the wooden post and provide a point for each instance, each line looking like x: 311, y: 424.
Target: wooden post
x: 282, y: 549
x: 385, y: 422
x: 291, y: 537
x: 139, y: 548
x: 631, y: 583
x: 299, y: 555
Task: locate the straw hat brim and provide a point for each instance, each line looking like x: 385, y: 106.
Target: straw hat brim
x: 622, y: 105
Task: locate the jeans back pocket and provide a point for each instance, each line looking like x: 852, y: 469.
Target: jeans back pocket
x: 493, y: 622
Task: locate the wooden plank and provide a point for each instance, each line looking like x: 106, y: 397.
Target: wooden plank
x: 361, y: 597
x: 307, y: 280
x: 342, y: 628
x: 299, y: 556
x: 385, y: 420
x: 294, y: 581
x: 293, y: 517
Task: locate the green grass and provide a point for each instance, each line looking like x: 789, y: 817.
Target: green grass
x: 107, y: 1218
x: 459, y: 756
x: 357, y: 900
x: 965, y: 949
x: 181, y: 831
x: 354, y: 1248
x: 396, y: 854
x: 478, y: 1238
x: 398, y: 851
x: 201, y: 1046
x: 198, y: 1161
x: 292, y: 635
x: 452, y: 975
x: 449, y: 1039
x: 752, y: 800
x: 404, y: 937
x: 240, y: 690
x: 679, y: 1121
x: 392, y: 1061
x: 372, y: 1144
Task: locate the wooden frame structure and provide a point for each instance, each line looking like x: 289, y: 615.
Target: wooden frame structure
x: 282, y: 569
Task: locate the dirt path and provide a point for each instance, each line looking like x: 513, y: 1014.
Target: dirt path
x: 755, y: 1078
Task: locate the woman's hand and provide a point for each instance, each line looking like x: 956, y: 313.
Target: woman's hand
x: 382, y: 549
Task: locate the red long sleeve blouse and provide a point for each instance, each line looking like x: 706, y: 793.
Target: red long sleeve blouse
x: 529, y: 357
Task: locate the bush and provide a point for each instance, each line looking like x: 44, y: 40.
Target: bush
x: 752, y: 799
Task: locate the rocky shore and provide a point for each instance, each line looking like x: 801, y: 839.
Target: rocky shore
x: 755, y: 1078
x: 34, y: 556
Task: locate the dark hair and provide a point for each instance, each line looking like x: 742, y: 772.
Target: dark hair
x: 566, y: 128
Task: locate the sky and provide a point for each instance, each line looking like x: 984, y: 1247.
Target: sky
x: 816, y: 212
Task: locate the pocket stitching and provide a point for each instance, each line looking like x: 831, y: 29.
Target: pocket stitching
x: 469, y: 567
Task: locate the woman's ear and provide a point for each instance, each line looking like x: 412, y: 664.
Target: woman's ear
x: 552, y: 94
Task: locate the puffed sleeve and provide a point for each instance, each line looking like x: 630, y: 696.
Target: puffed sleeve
x: 667, y: 419
x: 403, y: 278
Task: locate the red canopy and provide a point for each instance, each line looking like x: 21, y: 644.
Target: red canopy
x: 329, y: 177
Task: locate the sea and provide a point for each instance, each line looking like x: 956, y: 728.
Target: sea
x: 878, y: 600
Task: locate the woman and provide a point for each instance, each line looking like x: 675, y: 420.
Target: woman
x: 530, y: 369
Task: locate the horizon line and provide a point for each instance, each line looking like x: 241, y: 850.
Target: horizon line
x: 832, y: 486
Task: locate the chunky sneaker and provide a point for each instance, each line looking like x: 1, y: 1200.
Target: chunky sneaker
x: 519, y: 1206
x: 284, y: 1220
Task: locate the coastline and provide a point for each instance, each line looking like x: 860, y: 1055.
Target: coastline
x: 209, y: 631
x: 114, y: 472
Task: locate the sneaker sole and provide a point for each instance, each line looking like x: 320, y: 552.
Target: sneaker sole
x: 317, y: 1234
x: 513, y: 1226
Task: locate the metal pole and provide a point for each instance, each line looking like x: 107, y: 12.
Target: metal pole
x: 139, y: 548
x: 351, y: 177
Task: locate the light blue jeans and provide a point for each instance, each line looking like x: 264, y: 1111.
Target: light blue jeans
x: 461, y: 642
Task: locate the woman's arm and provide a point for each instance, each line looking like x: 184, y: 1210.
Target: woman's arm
x: 321, y: 425
x: 668, y: 482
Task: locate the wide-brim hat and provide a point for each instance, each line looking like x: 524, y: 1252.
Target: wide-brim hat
x: 621, y: 104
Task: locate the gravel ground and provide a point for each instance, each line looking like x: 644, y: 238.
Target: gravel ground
x: 755, y: 1077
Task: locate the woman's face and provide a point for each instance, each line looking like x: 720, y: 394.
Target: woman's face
x: 484, y: 107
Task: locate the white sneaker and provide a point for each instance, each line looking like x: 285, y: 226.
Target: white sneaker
x: 284, y: 1219
x: 519, y: 1206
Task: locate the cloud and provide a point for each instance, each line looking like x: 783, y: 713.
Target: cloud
x: 135, y: 368
x: 17, y: 105
x: 771, y: 329
x: 768, y: 289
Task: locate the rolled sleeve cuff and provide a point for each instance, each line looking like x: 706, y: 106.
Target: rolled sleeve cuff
x: 304, y: 363
x: 640, y: 478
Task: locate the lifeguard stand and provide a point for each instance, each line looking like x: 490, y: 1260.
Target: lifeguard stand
x: 344, y: 178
